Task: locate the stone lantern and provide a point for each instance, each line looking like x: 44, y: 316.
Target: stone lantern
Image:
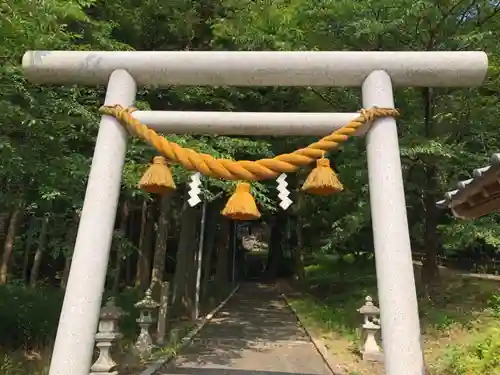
x: 371, y: 325
x: 108, y: 333
x: 146, y: 306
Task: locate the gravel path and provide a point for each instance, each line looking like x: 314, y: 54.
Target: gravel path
x: 255, y: 333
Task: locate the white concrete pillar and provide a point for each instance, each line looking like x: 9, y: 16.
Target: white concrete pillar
x: 74, y: 343
x: 395, y: 278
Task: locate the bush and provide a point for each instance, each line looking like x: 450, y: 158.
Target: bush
x: 334, y: 275
x: 8, y: 366
x: 494, y: 304
x: 28, y: 317
x: 480, y: 357
x: 28, y: 325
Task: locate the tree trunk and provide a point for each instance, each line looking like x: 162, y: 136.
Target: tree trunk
x: 42, y: 242
x: 298, y: 254
x: 119, y: 251
x: 191, y: 269
x: 32, y: 225
x: 139, y: 270
x: 160, y: 245
x: 9, y: 243
x: 233, y: 253
x: 430, y: 270
x: 182, y: 294
x: 143, y: 270
x: 70, y: 245
x: 222, y: 267
x: 67, y: 266
x: 211, y: 229
x: 128, y: 271
x: 275, y: 249
x: 4, y: 223
x: 129, y: 261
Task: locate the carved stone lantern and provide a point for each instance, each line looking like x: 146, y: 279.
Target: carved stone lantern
x: 371, y: 325
x: 146, y: 306
x: 108, y: 333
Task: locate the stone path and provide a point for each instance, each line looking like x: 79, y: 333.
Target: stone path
x: 255, y: 333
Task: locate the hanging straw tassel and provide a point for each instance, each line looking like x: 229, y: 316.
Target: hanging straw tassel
x: 322, y: 180
x: 241, y: 205
x: 157, y: 179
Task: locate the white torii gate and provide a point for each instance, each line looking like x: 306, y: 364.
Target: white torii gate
x: 375, y: 72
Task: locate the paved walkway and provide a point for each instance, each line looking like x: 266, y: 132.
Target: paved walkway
x: 255, y: 333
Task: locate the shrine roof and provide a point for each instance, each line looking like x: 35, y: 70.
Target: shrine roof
x: 477, y: 196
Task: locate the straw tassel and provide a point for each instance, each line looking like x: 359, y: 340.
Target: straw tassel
x: 322, y: 180
x: 157, y: 179
x: 241, y: 205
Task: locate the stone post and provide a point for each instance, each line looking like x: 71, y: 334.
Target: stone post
x: 107, y: 334
x: 144, y: 343
x: 371, y: 325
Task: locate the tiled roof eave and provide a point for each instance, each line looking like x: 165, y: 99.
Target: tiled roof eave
x: 466, y: 189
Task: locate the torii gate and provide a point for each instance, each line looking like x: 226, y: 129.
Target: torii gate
x: 375, y: 72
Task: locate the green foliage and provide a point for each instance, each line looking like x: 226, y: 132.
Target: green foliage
x: 482, y: 356
x: 48, y: 133
x: 494, y: 305
x: 338, y: 288
x: 28, y: 317
x: 464, y: 234
x: 60, y: 123
x: 11, y: 366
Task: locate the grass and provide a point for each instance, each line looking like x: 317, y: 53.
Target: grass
x: 461, y: 329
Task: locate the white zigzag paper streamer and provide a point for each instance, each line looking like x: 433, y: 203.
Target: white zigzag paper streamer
x: 194, y: 190
x: 283, y: 191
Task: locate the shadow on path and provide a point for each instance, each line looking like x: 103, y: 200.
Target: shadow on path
x: 255, y: 333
